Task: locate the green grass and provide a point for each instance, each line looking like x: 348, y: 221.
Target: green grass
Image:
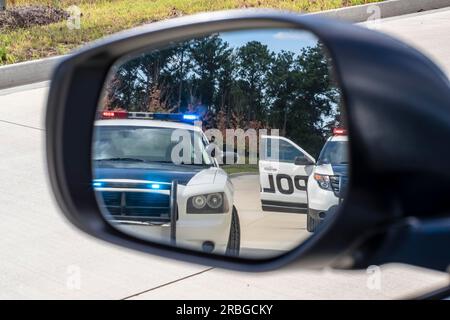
x: 240, y: 168
x: 104, y: 17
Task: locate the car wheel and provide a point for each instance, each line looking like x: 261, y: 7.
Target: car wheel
x: 234, y: 239
x: 311, y: 223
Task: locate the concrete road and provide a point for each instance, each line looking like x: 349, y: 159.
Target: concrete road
x: 427, y: 31
x: 264, y: 234
x: 42, y: 256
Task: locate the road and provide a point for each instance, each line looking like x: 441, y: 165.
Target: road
x: 264, y: 234
x: 44, y: 257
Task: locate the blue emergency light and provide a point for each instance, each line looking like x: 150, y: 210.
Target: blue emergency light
x: 191, y: 117
x: 175, y: 117
x: 178, y: 117
x: 97, y: 184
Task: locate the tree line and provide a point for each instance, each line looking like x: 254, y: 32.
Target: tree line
x: 233, y: 87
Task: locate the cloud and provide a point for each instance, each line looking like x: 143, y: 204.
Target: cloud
x: 295, y: 35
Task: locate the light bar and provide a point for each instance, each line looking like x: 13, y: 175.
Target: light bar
x: 190, y: 117
x: 339, y: 132
x: 107, y: 114
x: 176, y: 117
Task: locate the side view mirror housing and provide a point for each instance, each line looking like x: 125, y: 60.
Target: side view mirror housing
x: 211, y: 149
x: 391, y: 99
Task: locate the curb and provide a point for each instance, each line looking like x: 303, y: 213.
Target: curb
x: 23, y: 73
x: 381, y: 10
x: 41, y: 70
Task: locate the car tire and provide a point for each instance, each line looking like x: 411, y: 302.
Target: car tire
x: 234, y: 239
x: 311, y: 223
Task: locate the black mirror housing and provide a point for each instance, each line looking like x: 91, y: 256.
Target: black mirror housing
x: 393, y: 95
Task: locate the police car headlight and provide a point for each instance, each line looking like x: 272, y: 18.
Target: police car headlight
x: 199, y: 202
x: 214, y: 200
x: 323, y: 181
x: 208, y: 203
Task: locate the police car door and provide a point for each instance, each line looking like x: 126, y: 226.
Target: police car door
x: 283, y: 183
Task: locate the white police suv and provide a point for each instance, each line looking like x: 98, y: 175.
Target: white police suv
x: 327, y: 184
x: 134, y: 173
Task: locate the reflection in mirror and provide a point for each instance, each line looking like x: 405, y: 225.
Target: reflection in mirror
x: 230, y: 143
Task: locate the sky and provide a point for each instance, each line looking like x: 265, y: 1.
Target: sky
x: 275, y: 39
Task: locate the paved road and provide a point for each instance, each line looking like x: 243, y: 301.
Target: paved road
x: 42, y: 256
x: 264, y: 234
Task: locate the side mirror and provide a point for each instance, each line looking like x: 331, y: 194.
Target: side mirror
x: 211, y: 149
x: 303, y: 161
x: 117, y: 181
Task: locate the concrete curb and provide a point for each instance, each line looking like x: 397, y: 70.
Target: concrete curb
x: 41, y: 70
x: 381, y: 10
x: 23, y: 73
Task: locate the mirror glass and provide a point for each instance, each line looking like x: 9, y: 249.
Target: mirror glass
x: 229, y: 143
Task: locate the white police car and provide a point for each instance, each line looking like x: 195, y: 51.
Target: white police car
x: 133, y: 171
x: 327, y: 184
x: 292, y: 181
x: 284, y: 169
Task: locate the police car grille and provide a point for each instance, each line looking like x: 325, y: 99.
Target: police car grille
x: 334, y: 180
x: 338, y: 184
x: 136, y: 204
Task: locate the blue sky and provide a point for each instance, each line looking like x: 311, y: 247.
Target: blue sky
x: 275, y: 39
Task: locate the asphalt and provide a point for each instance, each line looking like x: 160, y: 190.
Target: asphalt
x: 43, y: 257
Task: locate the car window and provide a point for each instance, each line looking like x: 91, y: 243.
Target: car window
x: 141, y: 143
x: 287, y: 150
x: 334, y: 152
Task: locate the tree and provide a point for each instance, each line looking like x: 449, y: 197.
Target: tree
x: 316, y: 98
x: 243, y: 87
x: 280, y: 88
x: 140, y: 84
x: 254, y: 62
x: 208, y: 55
x: 226, y: 81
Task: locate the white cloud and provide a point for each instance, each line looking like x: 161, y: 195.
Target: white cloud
x: 294, y: 35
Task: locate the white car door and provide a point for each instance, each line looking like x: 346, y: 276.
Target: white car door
x: 283, y: 182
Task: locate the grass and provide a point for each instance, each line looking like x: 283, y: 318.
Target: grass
x: 240, y: 168
x: 245, y: 167
x: 104, y: 17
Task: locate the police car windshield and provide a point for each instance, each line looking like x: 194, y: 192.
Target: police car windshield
x: 150, y: 145
x: 334, y: 152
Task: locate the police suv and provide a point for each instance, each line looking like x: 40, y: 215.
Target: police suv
x: 292, y: 181
x: 327, y: 184
x: 134, y: 178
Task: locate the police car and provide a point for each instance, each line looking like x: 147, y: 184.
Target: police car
x: 292, y: 181
x: 327, y: 184
x: 134, y: 178
x: 284, y: 170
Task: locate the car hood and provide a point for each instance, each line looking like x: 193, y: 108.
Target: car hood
x: 332, y: 170
x: 155, y: 172
x: 340, y: 169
